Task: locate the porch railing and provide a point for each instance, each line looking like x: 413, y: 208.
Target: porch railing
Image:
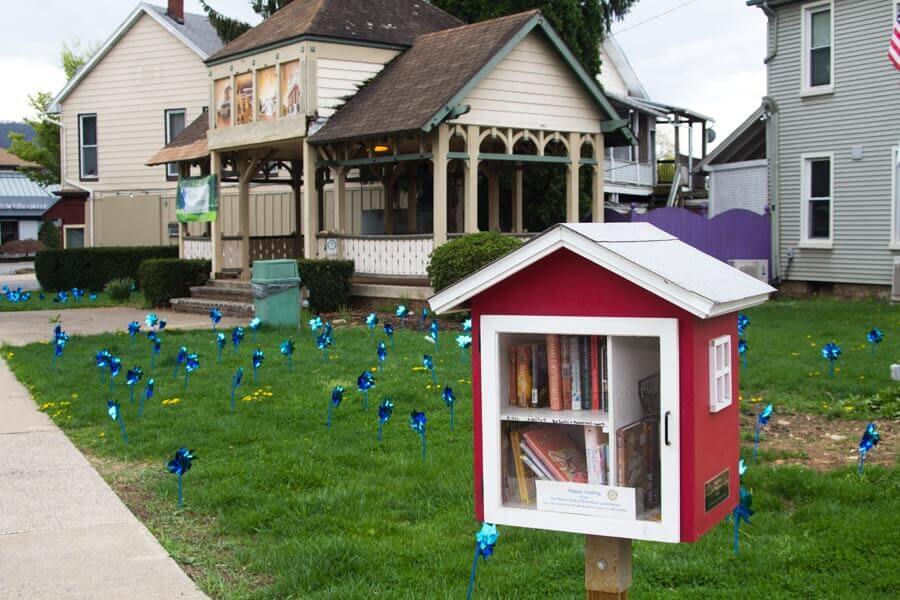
x: 627, y: 172
x: 397, y: 255
x: 261, y: 248
x: 197, y: 248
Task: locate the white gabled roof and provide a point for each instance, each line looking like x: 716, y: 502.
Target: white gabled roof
x: 639, y: 252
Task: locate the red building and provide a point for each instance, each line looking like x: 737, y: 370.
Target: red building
x: 627, y: 338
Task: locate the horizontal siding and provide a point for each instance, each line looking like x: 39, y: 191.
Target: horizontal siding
x: 610, y: 78
x: 339, y: 79
x: 532, y: 88
x: 862, y: 111
x: 147, y: 72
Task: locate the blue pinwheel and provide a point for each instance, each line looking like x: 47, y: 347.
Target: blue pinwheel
x: 155, y: 347
x: 467, y: 326
x: 77, y: 294
x: 432, y: 336
x: 870, y: 439
x: 371, y: 323
x: 742, y: 322
x: 485, y: 540
x: 134, y: 328
x: 115, y: 413
x: 743, y: 511
x: 179, y: 360
x: 221, y: 342
x: 257, y: 362
x: 402, y: 312
x: 337, y: 395
x: 132, y: 378
x: 152, y: 320
x: 389, y: 332
x: 428, y: 363
x: 830, y: 352
x: 874, y: 337
x: 381, y: 352
x: 324, y: 342
x: 115, y: 367
x: 255, y: 324
x: 162, y: 324
x: 148, y: 393
x: 385, y: 410
x: 191, y: 364
x: 235, y: 384
x: 315, y: 324
x: 92, y: 297
x: 364, y: 383
x: 762, y: 419
x: 61, y: 297
x: 101, y: 359
x: 450, y: 401
x: 180, y: 465
x: 743, y: 347
x: 237, y: 336
x: 417, y: 422
x: 287, y: 349
x: 464, y: 341
x: 60, y: 339
x: 424, y: 315
x: 215, y: 316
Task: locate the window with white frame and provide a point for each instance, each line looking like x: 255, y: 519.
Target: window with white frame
x: 817, y: 216
x: 720, y: 394
x: 175, y: 123
x: 87, y: 146
x: 818, y: 47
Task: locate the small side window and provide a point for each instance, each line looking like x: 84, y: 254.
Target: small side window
x: 720, y: 395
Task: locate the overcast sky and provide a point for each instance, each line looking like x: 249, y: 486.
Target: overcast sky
x: 705, y: 54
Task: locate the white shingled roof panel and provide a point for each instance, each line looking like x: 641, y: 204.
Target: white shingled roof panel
x: 620, y: 232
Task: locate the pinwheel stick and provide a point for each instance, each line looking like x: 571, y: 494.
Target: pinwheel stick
x: 451, y: 417
x: 380, y: 428
x: 141, y: 406
x: 330, y: 411
x: 180, y: 494
x: 122, y: 428
x: 186, y: 376
x: 471, y: 589
x: 366, y: 407
x: 254, y: 373
x: 737, y: 531
x: 756, y: 441
x: 219, y: 354
x: 424, y: 446
x: 861, y: 465
x: 233, y: 388
x: 131, y: 395
x: 433, y: 376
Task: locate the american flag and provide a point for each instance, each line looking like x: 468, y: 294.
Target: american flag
x: 894, y: 51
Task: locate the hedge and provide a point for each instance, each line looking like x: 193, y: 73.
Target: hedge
x: 92, y: 268
x: 462, y: 256
x: 162, y: 279
x: 328, y: 282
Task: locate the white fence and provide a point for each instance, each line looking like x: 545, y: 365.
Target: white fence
x: 389, y: 255
x: 634, y: 173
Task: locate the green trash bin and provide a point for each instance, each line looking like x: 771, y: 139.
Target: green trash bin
x: 276, y: 292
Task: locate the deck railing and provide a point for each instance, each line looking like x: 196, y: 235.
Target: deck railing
x: 396, y: 255
x: 627, y: 172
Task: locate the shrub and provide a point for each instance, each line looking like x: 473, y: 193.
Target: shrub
x: 463, y: 256
x: 162, y: 279
x: 119, y: 290
x: 92, y: 268
x: 328, y: 282
x: 49, y: 236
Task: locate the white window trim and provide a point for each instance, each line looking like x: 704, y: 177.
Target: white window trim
x: 895, y: 209
x: 68, y: 227
x: 717, y: 404
x: 805, y: 240
x: 169, y: 136
x: 82, y: 146
x: 805, y: 32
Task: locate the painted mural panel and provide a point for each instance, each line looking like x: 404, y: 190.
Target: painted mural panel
x: 267, y: 91
x: 290, y: 88
x: 223, y: 99
x: 243, y: 84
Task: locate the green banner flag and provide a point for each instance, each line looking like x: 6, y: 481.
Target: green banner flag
x: 197, y: 199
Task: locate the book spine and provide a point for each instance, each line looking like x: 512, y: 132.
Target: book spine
x: 620, y: 458
x: 511, y: 372
x: 539, y: 391
x: 604, y: 375
x: 514, y: 440
x: 593, y: 448
x: 553, y: 372
x: 575, y: 360
x: 595, y: 372
x: 523, y: 376
x: 586, y: 373
x: 565, y: 372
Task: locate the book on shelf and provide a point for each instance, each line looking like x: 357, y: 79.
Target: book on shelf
x: 540, y: 390
x: 575, y: 366
x: 595, y: 450
x: 565, y: 371
x: 557, y: 452
x: 595, y: 373
x: 523, y: 375
x: 524, y: 492
x: 584, y: 346
x: 637, y: 463
x: 553, y: 373
x: 511, y: 374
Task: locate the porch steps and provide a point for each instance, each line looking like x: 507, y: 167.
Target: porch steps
x: 234, y: 298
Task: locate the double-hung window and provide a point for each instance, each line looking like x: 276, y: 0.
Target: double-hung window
x: 818, y: 47
x: 720, y: 373
x: 87, y: 146
x: 175, y: 123
x: 817, y: 212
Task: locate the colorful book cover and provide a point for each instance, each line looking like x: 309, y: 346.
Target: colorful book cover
x: 553, y: 372
x: 585, y: 354
x: 514, y: 441
x: 565, y: 372
x: 594, y: 450
x: 651, y: 476
x: 540, y: 391
x: 557, y: 451
x: 632, y: 462
x: 595, y: 372
x: 511, y: 351
x: 604, y: 376
x: 523, y: 376
x: 575, y: 360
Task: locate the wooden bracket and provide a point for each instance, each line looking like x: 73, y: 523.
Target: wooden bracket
x: 607, y: 567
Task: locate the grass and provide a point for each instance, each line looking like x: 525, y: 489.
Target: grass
x: 786, y: 366
x: 277, y: 506
x: 47, y: 302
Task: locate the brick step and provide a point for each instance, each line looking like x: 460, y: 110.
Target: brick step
x: 202, y: 306
x: 223, y: 293
x: 229, y: 284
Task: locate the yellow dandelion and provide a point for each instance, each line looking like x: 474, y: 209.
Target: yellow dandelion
x: 102, y: 434
x: 848, y: 408
x: 795, y: 354
x: 9, y: 355
x: 74, y: 396
x: 837, y: 369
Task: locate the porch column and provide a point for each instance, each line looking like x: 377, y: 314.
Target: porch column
x: 310, y: 201
x: 184, y: 170
x: 247, y: 167
x: 572, y: 182
x: 518, y: 206
x: 470, y: 196
x: 215, y: 230
x: 440, y: 149
x: 493, y: 174
x: 297, y: 188
x: 412, y: 198
x: 340, y: 198
x: 597, y: 194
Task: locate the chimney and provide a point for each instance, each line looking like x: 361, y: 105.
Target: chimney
x: 176, y: 10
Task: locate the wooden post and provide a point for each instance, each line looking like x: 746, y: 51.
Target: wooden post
x: 470, y: 196
x: 340, y: 198
x: 493, y: 174
x: 518, y: 209
x: 215, y: 232
x: 310, y: 202
x: 607, y: 567
x: 573, y: 183
x: 440, y: 150
x: 412, y: 198
x: 247, y: 166
x: 597, y: 192
x: 297, y: 188
x: 184, y: 170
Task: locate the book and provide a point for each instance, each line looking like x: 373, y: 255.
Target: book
x: 524, y: 493
x: 585, y: 354
x: 553, y: 373
x: 511, y: 351
x: 558, y: 452
x: 604, y: 376
x: 565, y: 372
x: 651, y: 476
x: 575, y: 370
x: 529, y: 456
x: 523, y: 376
x: 595, y: 372
x: 632, y: 462
x: 539, y: 387
x: 594, y: 449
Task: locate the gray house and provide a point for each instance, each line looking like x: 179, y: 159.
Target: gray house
x: 833, y: 120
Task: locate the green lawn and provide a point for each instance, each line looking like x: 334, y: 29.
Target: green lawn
x: 47, y: 303
x: 277, y: 506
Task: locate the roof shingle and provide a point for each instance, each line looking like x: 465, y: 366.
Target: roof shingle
x: 190, y: 144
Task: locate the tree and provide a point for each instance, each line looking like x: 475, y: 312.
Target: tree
x: 43, y: 148
x: 230, y: 29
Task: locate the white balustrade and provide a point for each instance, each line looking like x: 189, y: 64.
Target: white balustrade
x: 620, y: 171
x: 197, y: 249
x: 389, y: 255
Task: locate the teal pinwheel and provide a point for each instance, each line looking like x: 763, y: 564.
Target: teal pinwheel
x: 132, y: 378
x: 467, y: 326
x: 235, y: 384
x: 287, y: 349
x: 869, y: 440
x: 324, y: 342
x: 464, y: 341
x: 148, y: 393
x: 179, y: 360
x: 101, y: 359
x: 742, y: 322
x: 237, y: 336
x: 180, y: 465
x: 364, y: 383
x: 151, y: 320
x: 381, y: 352
x: 60, y: 339
x: 134, y: 328
x: 255, y: 324
x: 191, y: 364
x: 221, y: 342
x: 215, y: 316
x: 424, y: 315
x: 155, y: 347
x: 337, y: 395
x: 743, y: 348
x: 402, y: 313
x: 450, y: 401
x: 315, y: 324
x: 485, y: 540
x: 830, y: 352
x: 371, y: 323
x: 762, y: 419
x: 257, y: 362
x: 389, y: 332
x: 428, y: 363
x: 115, y: 367
x: 417, y: 422
x: 874, y: 337
x: 385, y: 410
x: 432, y: 336
x: 115, y: 413
x: 92, y: 297
x: 744, y: 509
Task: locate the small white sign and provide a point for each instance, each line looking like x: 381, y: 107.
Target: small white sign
x: 331, y: 247
x: 584, y: 499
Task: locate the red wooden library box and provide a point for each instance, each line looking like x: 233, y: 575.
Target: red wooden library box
x: 605, y: 382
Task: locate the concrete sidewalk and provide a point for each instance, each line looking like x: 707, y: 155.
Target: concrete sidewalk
x: 63, y: 532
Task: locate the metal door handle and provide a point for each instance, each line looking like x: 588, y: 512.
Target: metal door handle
x: 668, y: 414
